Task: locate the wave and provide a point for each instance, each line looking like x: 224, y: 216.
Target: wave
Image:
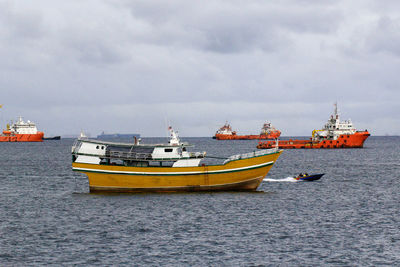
x: 287, y: 179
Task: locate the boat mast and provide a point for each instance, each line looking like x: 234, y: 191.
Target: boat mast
x: 336, y: 112
x: 174, y: 138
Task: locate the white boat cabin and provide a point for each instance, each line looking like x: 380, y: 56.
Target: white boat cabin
x: 334, y: 128
x: 225, y: 130
x: 21, y: 127
x: 173, y: 154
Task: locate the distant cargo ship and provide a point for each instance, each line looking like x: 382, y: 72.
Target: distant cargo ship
x: 52, y: 138
x: 267, y: 132
x: 21, y: 131
x: 117, y: 135
x: 335, y: 134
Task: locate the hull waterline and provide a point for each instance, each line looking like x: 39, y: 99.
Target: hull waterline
x: 355, y: 140
x: 38, y: 137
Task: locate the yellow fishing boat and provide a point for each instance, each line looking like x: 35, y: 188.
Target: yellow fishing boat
x: 134, y: 167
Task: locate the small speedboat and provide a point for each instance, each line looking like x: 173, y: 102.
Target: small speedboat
x: 306, y: 177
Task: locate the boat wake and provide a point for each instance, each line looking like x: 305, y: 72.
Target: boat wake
x: 287, y: 179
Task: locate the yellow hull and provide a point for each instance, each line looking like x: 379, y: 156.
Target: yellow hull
x: 241, y: 174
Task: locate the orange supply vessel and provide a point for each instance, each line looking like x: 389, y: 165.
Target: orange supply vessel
x: 21, y: 131
x: 267, y: 132
x: 335, y: 134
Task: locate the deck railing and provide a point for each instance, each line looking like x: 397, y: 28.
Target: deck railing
x: 251, y: 154
x: 148, y: 156
x: 128, y: 155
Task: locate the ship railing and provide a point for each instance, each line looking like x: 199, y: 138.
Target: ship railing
x: 251, y: 154
x: 75, y: 147
x: 192, y: 155
x: 128, y: 155
x: 145, y: 156
x: 197, y: 154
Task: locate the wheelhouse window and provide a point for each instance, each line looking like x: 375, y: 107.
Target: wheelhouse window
x: 167, y: 150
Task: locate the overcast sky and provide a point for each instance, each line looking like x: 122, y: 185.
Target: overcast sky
x: 135, y: 66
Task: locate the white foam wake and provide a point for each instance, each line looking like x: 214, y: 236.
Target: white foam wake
x: 287, y: 179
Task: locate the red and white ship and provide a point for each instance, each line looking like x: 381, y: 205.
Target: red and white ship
x: 335, y: 134
x: 21, y: 131
x: 267, y: 132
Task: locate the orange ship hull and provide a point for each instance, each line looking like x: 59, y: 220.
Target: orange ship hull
x: 355, y: 140
x: 38, y: 137
x: 247, y: 137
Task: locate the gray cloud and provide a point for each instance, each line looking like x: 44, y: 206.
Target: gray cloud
x: 386, y: 36
x: 230, y: 27
x: 97, y: 65
x: 19, y: 24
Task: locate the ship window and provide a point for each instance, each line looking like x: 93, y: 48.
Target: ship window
x: 155, y: 163
x: 97, y: 147
x: 139, y: 149
x: 168, y: 150
x: 102, y: 147
x: 167, y: 164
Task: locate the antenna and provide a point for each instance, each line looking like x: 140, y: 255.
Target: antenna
x: 167, y: 125
x: 335, y: 107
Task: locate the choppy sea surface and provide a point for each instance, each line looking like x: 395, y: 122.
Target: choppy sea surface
x: 351, y: 217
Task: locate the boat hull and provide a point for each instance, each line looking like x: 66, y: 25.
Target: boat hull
x: 355, y: 140
x: 237, y: 175
x: 38, y: 137
x: 52, y: 138
x: 310, y: 178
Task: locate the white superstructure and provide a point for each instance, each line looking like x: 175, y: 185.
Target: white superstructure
x: 21, y: 127
x: 226, y: 129
x: 172, y: 154
x: 334, y: 128
x: 267, y: 128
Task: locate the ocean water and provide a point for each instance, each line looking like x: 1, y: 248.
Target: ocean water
x: 351, y: 217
